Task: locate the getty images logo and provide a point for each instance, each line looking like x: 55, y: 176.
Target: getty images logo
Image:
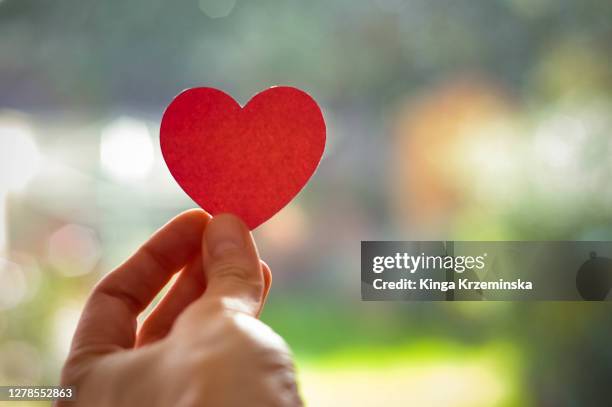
x: 411, y: 263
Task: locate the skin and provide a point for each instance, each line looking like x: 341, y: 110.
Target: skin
x: 202, y: 345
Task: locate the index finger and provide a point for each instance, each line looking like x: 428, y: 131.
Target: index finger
x: 108, y: 321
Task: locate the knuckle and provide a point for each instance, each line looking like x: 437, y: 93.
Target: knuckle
x: 234, y: 268
x: 254, y: 335
x: 238, y: 275
x: 234, y: 327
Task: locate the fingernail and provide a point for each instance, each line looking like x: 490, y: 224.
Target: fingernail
x: 224, y: 233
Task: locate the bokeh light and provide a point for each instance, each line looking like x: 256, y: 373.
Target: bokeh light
x: 491, y: 162
x: 19, y: 155
x: 126, y: 149
x: 73, y: 250
x: 558, y: 142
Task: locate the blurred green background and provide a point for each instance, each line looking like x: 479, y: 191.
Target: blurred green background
x: 447, y: 119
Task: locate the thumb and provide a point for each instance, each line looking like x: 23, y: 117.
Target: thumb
x: 232, y: 266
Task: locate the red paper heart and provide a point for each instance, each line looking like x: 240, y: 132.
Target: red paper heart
x: 247, y: 161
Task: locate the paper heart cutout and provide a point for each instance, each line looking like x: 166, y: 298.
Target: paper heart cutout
x: 249, y: 161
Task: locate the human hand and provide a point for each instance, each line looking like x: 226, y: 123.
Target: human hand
x: 202, y: 345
